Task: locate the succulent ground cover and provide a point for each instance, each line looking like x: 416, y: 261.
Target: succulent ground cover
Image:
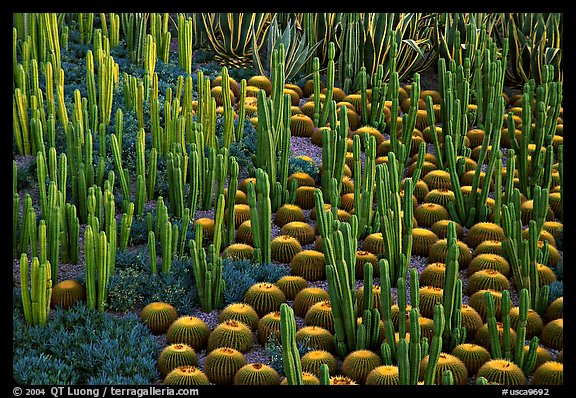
x: 284, y: 212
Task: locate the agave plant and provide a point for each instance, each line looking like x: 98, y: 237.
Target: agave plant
x: 460, y: 35
x: 233, y: 36
x: 412, y: 33
x: 297, y: 51
x: 535, y: 41
x: 320, y: 27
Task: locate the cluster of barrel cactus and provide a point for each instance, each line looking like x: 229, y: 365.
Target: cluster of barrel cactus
x: 462, y: 177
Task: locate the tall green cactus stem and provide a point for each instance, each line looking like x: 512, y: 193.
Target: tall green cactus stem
x: 231, y: 200
x: 334, y: 147
x: 166, y: 245
x: 273, y: 135
x: 368, y: 332
x: 349, y: 58
x: 379, y: 93
x: 15, y: 223
x: 548, y: 100
x: 222, y: 161
x: 174, y: 163
x: 404, y: 368
x: 150, y: 55
x: 364, y: 184
x: 228, y: 111
x: 207, y: 273
x: 134, y: 27
x: 410, y: 353
x: 27, y: 230
x: 261, y: 215
x: 495, y: 345
x: 218, y: 223
x: 401, y: 148
x: 316, y: 80
x: 117, y: 156
x: 185, y: 30
x: 386, y: 305
x: 106, y: 66
x: 340, y: 251
x: 41, y: 174
x: 436, y: 346
x: 152, y: 251
x: 397, y: 231
x: 329, y: 85
x: 185, y: 224
x: 415, y: 346
x: 194, y: 173
x: 53, y: 226
x: 454, y: 332
x: 125, y: 226
x: 506, y: 342
x: 239, y: 134
x: 290, y: 355
x: 36, y: 291
x: 97, y: 268
x: 69, y: 231
x: 401, y: 307
x: 524, y: 254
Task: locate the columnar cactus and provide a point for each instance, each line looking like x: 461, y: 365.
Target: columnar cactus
x: 261, y: 215
x: 334, y: 147
x: 401, y: 147
x: 98, y: 266
x: 364, y: 183
x: 397, y: 231
x: 547, y: 99
x: 290, y: 354
x: 339, y: 242
x: 37, y: 291
x: 525, y: 254
x: 454, y: 332
x: 207, y: 273
x: 436, y: 345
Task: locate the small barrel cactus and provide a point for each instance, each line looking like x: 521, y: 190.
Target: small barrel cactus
x: 553, y: 334
x: 222, y: 364
x: 316, y: 337
x: 549, y: 373
x: 158, y: 316
x: 312, y: 360
x: 284, y: 248
x: 483, y: 231
x: 256, y: 374
x: 358, y: 364
x: 309, y: 264
x: 446, y: 362
x: 232, y: 334
x: 306, y: 298
x: 175, y: 355
x: 189, y: 330
x: 502, y: 371
x: 269, y: 325
x: 264, y: 297
x: 186, y: 375
x: 67, y: 293
x: 384, y: 375
x: 472, y: 355
x: 291, y: 285
x: 240, y: 312
x: 320, y: 314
